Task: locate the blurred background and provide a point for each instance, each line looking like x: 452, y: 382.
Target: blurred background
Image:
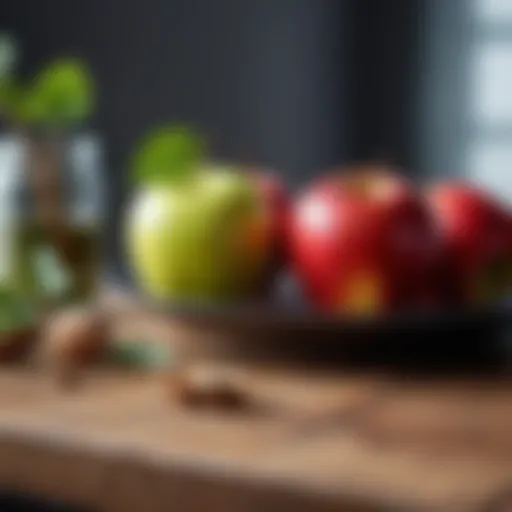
x: 298, y: 85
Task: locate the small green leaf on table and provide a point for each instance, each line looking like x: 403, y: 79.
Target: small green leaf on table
x: 141, y: 355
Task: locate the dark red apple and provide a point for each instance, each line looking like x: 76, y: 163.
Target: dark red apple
x: 508, y: 228
x: 362, y: 242
x: 275, y: 195
x: 504, y: 261
x: 476, y: 233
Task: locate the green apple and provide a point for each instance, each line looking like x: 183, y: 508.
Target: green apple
x: 200, y: 235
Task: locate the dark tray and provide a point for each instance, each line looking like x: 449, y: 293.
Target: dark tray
x: 286, y: 328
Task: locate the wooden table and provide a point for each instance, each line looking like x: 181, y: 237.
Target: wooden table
x: 318, y: 443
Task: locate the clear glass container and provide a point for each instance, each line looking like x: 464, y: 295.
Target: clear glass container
x: 52, y: 212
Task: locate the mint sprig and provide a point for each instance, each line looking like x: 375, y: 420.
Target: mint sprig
x: 167, y: 155
x: 11, y: 95
x: 62, y: 96
x: 15, y: 311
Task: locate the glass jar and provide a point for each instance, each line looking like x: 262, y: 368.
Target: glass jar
x: 52, y: 215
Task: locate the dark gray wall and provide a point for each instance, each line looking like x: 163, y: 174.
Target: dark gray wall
x: 261, y: 77
x: 296, y: 84
x: 385, y: 69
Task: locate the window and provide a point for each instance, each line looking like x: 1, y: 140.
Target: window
x: 492, y: 85
x: 494, y: 11
x: 490, y: 146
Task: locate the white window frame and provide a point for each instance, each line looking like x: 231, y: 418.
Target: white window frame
x: 488, y: 153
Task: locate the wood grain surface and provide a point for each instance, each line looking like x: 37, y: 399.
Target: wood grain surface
x: 319, y: 440
x: 324, y: 442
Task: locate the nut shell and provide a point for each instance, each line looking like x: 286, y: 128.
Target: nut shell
x: 206, y: 389
x: 73, y: 340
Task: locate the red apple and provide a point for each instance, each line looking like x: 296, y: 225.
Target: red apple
x: 476, y: 234
x: 362, y: 242
x: 505, y: 220
x: 508, y: 228
x: 275, y: 195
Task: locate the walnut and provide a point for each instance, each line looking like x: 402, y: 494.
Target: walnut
x: 204, y: 388
x: 73, y: 340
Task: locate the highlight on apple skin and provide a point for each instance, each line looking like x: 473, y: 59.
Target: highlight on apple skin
x: 362, y: 243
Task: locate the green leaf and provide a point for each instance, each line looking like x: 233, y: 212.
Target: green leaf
x: 139, y: 355
x: 11, y: 97
x: 167, y: 154
x: 15, y: 311
x: 62, y: 95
